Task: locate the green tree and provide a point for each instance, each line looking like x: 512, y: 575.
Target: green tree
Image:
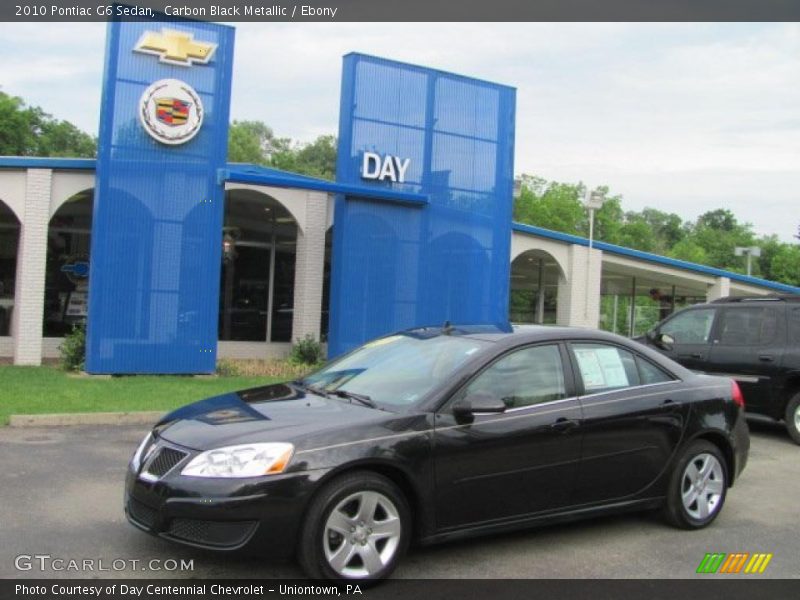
x: 718, y: 232
x: 255, y: 142
x: 62, y: 138
x: 689, y: 250
x: 551, y: 205
x: 785, y: 265
x: 29, y: 131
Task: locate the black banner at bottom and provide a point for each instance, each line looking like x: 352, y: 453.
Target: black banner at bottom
x: 712, y: 588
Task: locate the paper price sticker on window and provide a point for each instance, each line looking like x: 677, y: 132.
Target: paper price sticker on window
x: 601, y: 368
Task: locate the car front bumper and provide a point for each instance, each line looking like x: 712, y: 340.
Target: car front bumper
x: 259, y: 515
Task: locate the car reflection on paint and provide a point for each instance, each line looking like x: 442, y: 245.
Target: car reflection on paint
x: 440, y: 433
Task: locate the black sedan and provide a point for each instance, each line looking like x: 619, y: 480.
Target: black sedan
x: 440, y: 433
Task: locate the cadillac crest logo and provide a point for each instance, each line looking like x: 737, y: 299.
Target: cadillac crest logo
x: 171, y: 111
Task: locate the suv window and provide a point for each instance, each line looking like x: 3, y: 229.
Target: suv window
x: 690, y: 327
x: 603, y: 367
x: 794, y: 325
x: 748, y: 326
x: 525, y: 377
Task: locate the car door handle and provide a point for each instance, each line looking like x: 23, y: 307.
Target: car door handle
x: 766, y: 357
x: 669, y: 403
x: 563, y: 425
x: 696, y: 355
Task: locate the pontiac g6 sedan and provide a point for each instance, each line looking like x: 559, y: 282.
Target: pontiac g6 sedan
x: 440, y: 433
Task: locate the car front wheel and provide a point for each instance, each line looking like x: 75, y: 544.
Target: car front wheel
x: 698, y: 486
x: 357, y: 527
x: 792, y: 418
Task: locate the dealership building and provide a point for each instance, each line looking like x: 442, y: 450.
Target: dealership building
x: 175, y: 257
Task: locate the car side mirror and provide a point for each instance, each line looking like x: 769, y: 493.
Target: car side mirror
x: 481, y: 402
x: 664, y: 341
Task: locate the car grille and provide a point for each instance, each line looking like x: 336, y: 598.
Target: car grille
x: 212, y: 533
x: 142, y: 514
x: 163, y: 460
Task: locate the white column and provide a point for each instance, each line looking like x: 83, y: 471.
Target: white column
x: 719, y: 289
x: 579, y: 295
x: 31, y: 262
x: 310, y: 268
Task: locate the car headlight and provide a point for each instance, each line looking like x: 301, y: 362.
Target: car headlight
x: 137, y: 456
x: 245, y: 460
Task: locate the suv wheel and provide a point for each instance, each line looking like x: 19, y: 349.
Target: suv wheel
x: 357, y: 527
x: 792, y: 418
x: 697, y: 487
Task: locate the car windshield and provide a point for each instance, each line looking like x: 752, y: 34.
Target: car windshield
x: 398, y: 370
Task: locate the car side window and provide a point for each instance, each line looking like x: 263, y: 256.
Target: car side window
x: 748, y: 326
x: 525, y: 377
x: 649, y: 373
x: 604, y: 367
x: 690, y: 327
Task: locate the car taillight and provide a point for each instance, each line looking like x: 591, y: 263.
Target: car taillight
x: 736, y: 394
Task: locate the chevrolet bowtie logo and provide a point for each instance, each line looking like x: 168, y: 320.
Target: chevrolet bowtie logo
x: 175, y: 47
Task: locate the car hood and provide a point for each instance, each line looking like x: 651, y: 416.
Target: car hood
x: 274, y: 413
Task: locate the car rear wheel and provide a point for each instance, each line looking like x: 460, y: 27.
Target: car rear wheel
x: 698, y: 486
x: 357, y: 527
x: 792, y: 418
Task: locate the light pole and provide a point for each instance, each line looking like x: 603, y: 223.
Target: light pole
x: 749, y: 252
x: 594, y: 201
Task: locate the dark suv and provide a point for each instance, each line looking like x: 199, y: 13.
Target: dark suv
x: 754, y: 340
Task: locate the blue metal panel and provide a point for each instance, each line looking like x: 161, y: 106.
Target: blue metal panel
x: 655, y: 258
x: 395, y: 266
x: 157, y: 224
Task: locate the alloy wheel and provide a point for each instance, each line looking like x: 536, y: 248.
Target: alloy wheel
x: 362, y: 534
x: 702, y: 486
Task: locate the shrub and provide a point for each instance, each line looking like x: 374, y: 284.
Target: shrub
x: 307, y: 351
x: 228, y: 368
x: 73, y: 348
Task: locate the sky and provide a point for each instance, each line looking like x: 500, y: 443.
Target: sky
x: 684, y: 118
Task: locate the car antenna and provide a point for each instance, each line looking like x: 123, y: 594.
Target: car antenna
x: 447, y: 328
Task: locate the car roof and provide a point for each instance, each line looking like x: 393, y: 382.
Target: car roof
x: 515, y: 333
x: 757, y: 299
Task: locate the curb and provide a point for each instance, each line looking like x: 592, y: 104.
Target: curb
x: 97, y: 418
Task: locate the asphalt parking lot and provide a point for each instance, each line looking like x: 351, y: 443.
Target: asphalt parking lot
x: 61, y: 491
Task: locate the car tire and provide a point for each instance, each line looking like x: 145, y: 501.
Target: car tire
x: 357, y: 528
x: 792, y: 418
x: 697, y: 488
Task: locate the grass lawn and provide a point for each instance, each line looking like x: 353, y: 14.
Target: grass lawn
x: 36, y: 390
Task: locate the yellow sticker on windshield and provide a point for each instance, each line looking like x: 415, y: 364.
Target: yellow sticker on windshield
x: 383, y: 341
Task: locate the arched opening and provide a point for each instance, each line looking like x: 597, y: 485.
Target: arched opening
x: 66, y: 289
x: 533, y: 298
x: 259, y: 240
x: 326, y: 286
x: 9, y: 245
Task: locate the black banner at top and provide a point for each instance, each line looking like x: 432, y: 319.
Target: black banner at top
x: 404, y: 10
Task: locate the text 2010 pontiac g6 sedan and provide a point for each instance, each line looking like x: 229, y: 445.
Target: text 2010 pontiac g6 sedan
x: 433, y: 434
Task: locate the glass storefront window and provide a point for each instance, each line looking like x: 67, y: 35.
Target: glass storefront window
x: 529, y: 272
x: 259, y: 239
x: 67, y: 271
x: 9, y: 243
